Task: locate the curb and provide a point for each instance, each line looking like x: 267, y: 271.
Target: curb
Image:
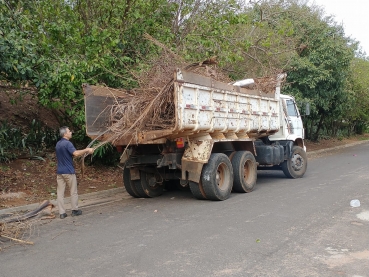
x: 314, y: 154
x: 117, y: 194
x: 84, y: 200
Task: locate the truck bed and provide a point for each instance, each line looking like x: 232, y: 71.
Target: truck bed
x: 201, y: 105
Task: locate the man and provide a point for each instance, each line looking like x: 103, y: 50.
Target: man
x: 66, y: 174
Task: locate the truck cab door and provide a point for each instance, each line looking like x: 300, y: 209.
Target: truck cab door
x: 294, y: 119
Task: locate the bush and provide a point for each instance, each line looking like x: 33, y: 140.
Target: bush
x: 106, y: 155
x: 15, y: 141
x: 361, y: 128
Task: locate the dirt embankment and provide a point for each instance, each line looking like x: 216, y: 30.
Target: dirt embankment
x: 26, y: 181
x: 20, y: 109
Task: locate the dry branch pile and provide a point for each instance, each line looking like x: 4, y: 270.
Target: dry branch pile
x: 19, y: 232
x: 266, y: 84
x: 20, y: 227
x: 151, y: 106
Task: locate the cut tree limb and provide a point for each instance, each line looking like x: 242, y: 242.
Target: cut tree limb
x: 45, y: 204
x: 17, y: 240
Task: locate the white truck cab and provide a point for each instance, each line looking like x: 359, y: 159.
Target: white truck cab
x: 291, y: 126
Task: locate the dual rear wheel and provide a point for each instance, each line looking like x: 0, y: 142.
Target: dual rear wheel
x: 216, y: 179
x: 220, y: 175
x: 145, y: 187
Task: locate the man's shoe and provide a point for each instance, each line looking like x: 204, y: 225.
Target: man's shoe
x: 64, y: 215
x: 76, y: 212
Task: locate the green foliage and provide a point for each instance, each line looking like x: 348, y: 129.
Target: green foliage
x: 17, y: 48
x: 319, y: 71
x: 358, y: 91
x: 14, y: 141
x: 107, y: 154
x: 55, y: 46
x: 212, y: 29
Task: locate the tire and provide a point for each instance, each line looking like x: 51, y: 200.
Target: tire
x: 244, y: 171
x: 150, y: 187
x: 137, y: 184
x: 217, y: 177
x: 128, y: 183
x: 197, y: 190
x: 295, y: 167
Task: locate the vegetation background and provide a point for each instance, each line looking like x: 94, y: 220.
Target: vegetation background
x: 49, y: 48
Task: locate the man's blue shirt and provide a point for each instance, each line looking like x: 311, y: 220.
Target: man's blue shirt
x: 64, y: 154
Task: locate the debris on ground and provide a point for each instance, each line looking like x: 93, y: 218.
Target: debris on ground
x: 19, y: 227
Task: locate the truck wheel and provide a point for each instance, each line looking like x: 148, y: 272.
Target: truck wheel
x: 197, y: 190
x: 217, y: 177
x: 295, y: 167
x: 137, y: 184
x: 150, y: 185
x: 128, y: 183
x: 244, y: 171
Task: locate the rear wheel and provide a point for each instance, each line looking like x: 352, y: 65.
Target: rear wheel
x: 197, y: 190
x: 244, y: 171
x: 129, y: 184
x: 217, y: 177
x: 138, y: 187
x: 152, y: 184
x: 295, y: 167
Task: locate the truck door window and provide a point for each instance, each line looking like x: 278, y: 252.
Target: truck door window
x: 291, y: 108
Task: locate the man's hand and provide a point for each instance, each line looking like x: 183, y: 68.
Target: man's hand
x: 90, y: 150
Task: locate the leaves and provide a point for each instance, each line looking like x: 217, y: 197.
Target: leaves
x: 57, y: 45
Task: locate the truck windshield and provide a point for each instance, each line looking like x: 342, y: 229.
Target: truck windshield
x: 291, y: 108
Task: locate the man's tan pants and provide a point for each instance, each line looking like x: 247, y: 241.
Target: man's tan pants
x: 70, y: 180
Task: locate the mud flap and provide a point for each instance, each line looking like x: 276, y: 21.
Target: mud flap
x: 197, y: 154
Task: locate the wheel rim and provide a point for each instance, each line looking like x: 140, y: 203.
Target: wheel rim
x: 152, y: 181
x: 222, y: 175
x: 297, y: 162
x: 246, y: 170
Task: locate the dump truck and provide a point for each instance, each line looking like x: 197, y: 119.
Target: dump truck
x: 221, y: 135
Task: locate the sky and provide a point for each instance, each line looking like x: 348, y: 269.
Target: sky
x: 353, y: 15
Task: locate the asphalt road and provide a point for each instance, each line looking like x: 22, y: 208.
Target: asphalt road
x: 285, y: 227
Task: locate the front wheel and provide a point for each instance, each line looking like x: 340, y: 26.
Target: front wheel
x: 295, y: 167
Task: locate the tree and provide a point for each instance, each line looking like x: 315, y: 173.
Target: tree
x: 357, y: 113
x: 18, y: 52
x: 319, y: 71
x: 57, y: 45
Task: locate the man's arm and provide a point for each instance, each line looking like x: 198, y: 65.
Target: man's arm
x: 82, y: 152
